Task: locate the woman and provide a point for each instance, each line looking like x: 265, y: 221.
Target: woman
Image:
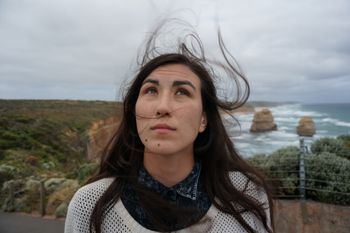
x: 171, y: 166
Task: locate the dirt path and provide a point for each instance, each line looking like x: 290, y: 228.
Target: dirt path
x: 20, y: 223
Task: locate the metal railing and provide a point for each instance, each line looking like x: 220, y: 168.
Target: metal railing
x: 301, y: 176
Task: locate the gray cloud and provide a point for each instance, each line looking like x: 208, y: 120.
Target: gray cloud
x: 290, y: 50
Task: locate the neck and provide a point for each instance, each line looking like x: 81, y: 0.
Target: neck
x: 168, y: 169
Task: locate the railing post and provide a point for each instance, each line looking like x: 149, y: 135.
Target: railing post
x: 11, y: 196
x: 42, y: 198
x: 302, y: 167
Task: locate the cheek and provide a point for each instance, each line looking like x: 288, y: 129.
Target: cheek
x: 139, y: 113
x: 191, y: 119
x: 144, y: 109
x: 138, y: 108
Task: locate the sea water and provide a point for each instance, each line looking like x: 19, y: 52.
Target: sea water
x: 331, y: 120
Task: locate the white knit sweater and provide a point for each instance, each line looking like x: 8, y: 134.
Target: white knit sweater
x: 119, y: 220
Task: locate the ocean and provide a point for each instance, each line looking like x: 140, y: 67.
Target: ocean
x: 331, y: 120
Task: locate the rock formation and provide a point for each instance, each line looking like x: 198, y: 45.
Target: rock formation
x: 296, y: 216
x: 99, y: 135
x: 263, y: 121
x: 306, y: 127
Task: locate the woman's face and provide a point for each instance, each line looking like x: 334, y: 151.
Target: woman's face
x: 169, y: 112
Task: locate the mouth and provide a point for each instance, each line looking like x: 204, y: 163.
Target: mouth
x: 163, y: 127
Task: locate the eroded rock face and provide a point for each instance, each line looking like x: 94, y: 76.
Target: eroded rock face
x: 99, y: 135
x: 306, y: 127
x: 295, y: 216
x: 263, y: 121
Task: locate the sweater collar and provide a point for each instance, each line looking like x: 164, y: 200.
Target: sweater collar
x: 186, y: 188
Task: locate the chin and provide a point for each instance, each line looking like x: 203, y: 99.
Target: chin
x: 168, y: 148
x: 161, y: 151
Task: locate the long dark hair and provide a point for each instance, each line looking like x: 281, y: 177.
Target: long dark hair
x: 124, y: 155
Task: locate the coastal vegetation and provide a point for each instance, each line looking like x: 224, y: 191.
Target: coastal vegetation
x: 47, y: 137
x: 43, y: 145
x: 45, y: 140
x: 327, y: 170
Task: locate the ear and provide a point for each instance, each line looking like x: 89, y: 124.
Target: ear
x: 203, y: 124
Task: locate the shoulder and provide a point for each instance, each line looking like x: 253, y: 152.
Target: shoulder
x: 242, y: 183
x: 83, y: 203
x: 239, y: 180
x: 93, y: 190
x: 224, y: 222
x: 88, y: 195
x: 253, y: 191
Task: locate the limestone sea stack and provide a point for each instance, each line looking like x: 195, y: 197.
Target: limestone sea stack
x: 263, y: 121
x: 306, y: 127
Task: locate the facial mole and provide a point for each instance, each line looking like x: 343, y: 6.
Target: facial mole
x: 146, y: 140
x: 158, y: 145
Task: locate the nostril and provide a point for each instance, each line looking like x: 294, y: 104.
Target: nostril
x: 161, y: 114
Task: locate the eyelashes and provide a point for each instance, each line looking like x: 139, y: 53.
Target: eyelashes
x: 151, y: 91
x: 182, y: 91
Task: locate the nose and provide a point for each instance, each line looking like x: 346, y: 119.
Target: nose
x: 163, y: 107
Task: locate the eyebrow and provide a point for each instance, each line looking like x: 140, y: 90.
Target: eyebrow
x: 180, y: 83
x: 175, y: 83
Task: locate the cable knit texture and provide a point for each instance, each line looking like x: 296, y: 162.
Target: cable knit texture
x: 119, y: 220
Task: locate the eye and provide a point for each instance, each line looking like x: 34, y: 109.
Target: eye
x: 182, y: 91
x: 150, y: 91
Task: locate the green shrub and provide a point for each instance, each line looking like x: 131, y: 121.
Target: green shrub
x: 345, y: 152
x: 86, y: 170
x: 327, y: 144
x: 7, y: 172
x: 19, y: 160
x: 13, y: 203
x: 25, y: 198
x: 281, y: 167
x: 7, y: 144
x: 327, y: 175
x: 8, y: 135
x: 2, y: 154
x: 24, y: 119
x: 345, y: 138
x: 328, y: 178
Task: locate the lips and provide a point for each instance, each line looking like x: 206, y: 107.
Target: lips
x: 162, y: 127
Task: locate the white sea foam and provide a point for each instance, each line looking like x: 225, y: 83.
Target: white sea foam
x: 322, y: 131
x: 282, y: 134
x: 294, y: 111
x: 286, y: 117
x: 336, y: 122
x: 284, y: 128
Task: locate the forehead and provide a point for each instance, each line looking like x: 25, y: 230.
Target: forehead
x: 174, y: 72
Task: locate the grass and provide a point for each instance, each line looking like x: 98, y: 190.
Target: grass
x: 48, y: 137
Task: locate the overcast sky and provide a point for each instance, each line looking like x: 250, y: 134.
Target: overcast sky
x: 69, y: 49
